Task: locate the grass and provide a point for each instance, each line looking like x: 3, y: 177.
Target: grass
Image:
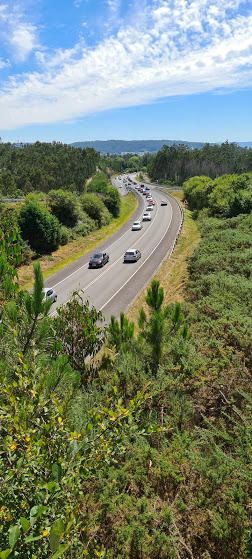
x: 75, y: 249
x: 173, y: 273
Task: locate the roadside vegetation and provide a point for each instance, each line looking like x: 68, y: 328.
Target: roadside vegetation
x: 132, y: 441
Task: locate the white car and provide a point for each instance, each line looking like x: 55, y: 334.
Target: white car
x: 149, y: 209
x: 50, y: 294
x: 146, y: 216
x: 132, y: 255
x: 137, y: 225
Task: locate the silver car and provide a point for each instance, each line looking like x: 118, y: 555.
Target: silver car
x: 132, y: 255
x: 50, y: 294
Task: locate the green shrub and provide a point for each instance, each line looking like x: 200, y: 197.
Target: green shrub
x: 112, y: 201
x: 96, y: 209
x: 40, y: 228
x: 65, y: 206
x: 65, y: 235
x: 98, y: 183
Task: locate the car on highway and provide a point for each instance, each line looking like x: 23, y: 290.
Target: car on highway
x: 151, y: 202
x: 146, y: 216
x: 164, y: 203
x: 98, y: 260
x: 49, y: 294
x: 137, y: 225
x: 149, y: 208
x: 132, y: 255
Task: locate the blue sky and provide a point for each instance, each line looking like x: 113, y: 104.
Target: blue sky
x: 100, y: 69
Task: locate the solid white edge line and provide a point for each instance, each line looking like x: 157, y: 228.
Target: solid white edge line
x: 114, y: 263
x: 108, y: 268
x: 86, y: 265
x: 146, y: 260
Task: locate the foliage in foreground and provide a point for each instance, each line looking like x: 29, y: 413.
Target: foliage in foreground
x: 142, y: 450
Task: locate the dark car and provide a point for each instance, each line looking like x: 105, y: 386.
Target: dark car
x: 98, y: 260
x: 132, y: 255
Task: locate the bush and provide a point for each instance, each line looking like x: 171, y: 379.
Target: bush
x: 112, y: 201
x: 65, y: 206
x: 98, y: 183
x: 85, y: 225
x: 96, y: 209
x: 65, y: 235
x: 39, y: 228
x: 196, y: 192
x: 226, y: 196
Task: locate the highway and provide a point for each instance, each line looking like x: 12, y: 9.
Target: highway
x: 113, y: 287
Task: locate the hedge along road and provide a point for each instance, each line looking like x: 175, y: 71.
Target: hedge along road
x: 113, y: 288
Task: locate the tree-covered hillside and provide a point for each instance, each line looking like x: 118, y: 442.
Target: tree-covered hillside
x: 43, y: 167
x: 177, y: 163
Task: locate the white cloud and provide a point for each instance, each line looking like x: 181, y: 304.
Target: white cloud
x: 182, y: 47
x: 19, y: 36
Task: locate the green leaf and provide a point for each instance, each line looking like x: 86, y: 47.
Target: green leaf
x: 52, y: 487
x: 36, y: 512
x: 24, y: 523
x: 56, y: 471
x: 14, y: 533
x: 30, y: 539
x: 62, y: 549
x: 56, y: 534
x: 5, y: 553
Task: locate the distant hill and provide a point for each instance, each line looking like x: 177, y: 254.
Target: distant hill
x: 138, y: 146
x: 132, y: 146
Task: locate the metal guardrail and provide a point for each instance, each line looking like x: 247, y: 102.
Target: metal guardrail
x: 182, y: 218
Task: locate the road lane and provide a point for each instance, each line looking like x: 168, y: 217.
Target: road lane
x: 113, y: 287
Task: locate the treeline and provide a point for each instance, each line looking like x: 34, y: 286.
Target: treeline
x: 46, y: 221
x: 125, y: 442
x: 122, y: 163
x: 177, y: 163
x: 43, y: 167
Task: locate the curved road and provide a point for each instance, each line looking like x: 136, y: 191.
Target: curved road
x: 113, y: 288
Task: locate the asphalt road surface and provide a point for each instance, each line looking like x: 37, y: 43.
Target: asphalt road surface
x: 113, y: 287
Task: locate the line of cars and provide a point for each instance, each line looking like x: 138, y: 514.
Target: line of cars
x: 99, y: 259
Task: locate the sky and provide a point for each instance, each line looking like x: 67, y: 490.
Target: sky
x: 73, y: 70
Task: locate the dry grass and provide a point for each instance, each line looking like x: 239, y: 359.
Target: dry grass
x: 75, y: 249
x: 173, y: 273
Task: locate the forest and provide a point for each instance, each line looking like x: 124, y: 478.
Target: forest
x: 177, y: 163
x: 43, y: 167
x: 132, y: 441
